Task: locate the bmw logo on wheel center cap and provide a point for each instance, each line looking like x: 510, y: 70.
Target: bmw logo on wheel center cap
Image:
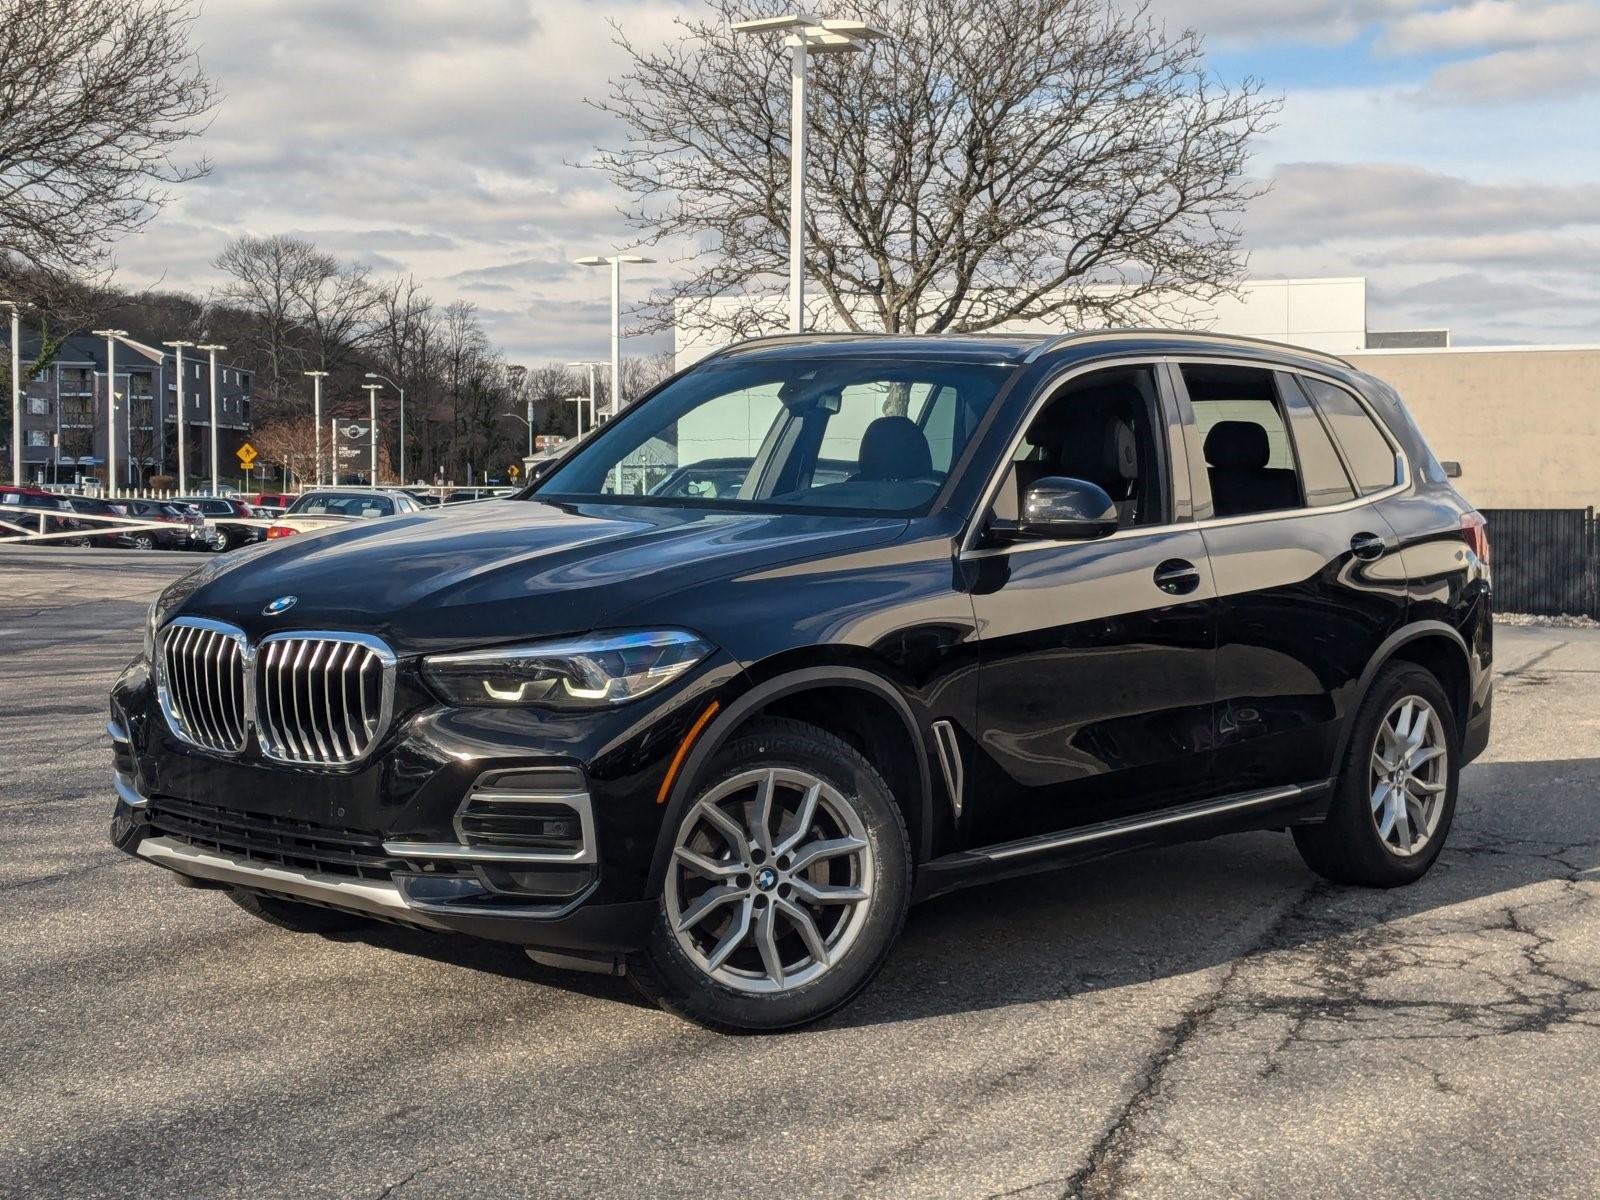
x: 766, y: 879
x: 281, y: 605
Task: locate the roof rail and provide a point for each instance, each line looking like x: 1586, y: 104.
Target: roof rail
x: 780, y: 338
x: 1065, y: 339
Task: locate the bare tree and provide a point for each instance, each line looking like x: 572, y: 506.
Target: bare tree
x: 95, y: 98
x: 336, y: 304
x: 641, y: 372
x: 1003, y: 160
x: 265, y: 277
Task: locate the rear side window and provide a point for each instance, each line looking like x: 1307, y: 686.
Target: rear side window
x: 1249, y: 457
x: 1368, y: 452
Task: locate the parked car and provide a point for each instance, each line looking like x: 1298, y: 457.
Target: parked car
x: 275, y: 500
x: 423, y: 497
x: 109, y: 535
x: 1083, y: 594
x: 324, y: 509
x: 714, y: 478
x: 187, y: 526
x: 227, y: 519
x: 37, y: 511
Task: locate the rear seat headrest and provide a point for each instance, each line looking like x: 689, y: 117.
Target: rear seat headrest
x: 1237, y: 446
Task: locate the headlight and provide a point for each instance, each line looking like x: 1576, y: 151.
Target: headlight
x: 585, y: 673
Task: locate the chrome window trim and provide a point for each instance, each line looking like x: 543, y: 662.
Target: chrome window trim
x: 164, y: 697
x: 992, y: 489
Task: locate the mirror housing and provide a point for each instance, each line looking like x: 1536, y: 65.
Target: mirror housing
x: 1057, y: 508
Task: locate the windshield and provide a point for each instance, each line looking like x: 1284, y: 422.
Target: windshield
x: 862, y: 435
x: 342, y: 505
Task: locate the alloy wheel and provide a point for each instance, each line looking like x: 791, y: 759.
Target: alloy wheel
x: 771, y: 880
x: 1409, y: 775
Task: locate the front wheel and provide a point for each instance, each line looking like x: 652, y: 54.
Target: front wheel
x: 789, y: 881
x: 144, y: 541
x: 220, y: 540
x: 1396, y: 793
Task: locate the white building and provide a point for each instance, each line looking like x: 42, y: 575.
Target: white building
x: 1321, y: 314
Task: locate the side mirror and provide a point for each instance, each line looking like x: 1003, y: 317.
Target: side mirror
x: 1062, y: 509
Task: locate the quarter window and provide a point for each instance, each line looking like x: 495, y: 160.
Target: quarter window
x: 1368, y: 452
x: 1322, y: 475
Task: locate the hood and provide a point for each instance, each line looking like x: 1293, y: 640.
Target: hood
x: 507, y: 570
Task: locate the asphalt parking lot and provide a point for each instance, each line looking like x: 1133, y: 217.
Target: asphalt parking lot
x: 1208, y: 1020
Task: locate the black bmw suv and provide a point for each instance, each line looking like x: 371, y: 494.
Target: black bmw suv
x: 1075, y: 595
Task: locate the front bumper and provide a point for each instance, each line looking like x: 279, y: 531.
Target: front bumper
x: 386, y: 836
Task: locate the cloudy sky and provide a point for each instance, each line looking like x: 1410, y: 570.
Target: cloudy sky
x: 1445, y: 149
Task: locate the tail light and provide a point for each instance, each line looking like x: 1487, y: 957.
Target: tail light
x: 1475, y: 532
x: 280, y: 531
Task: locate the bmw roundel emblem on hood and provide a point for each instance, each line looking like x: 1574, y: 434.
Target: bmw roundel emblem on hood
x: 281, y: 605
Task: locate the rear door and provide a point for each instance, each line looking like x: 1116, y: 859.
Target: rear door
x: 1096, y: 684
x: 1308, y: 573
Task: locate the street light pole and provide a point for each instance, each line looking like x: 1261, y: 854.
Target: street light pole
x: 16, y: 392
x: 183, y: 450
x: 216, y: 467
x: 402, y: 391
x: 372, y: 390
x: 316, y: 421
x: 614, y: 261
x: 111, y: 336
x: 592, y: 367
x: 805, y: 35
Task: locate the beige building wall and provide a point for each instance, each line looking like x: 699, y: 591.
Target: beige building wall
x: 1524, y: 423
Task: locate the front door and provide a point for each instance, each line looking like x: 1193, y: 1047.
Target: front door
x: 1096, y: 687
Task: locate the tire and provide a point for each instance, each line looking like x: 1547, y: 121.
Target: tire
x: 794, y: 907
x: 1352, y: 845
x: 301, y: 918
x: 144, y: 541
x: 221, y: 542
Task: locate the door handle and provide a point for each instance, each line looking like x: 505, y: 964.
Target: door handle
x: 1367, y: 546
x: 1178, y: 576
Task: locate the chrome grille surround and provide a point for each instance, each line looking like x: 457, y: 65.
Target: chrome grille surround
x: 316, y: 698
x: 202, y: 682
x: 322, y: 698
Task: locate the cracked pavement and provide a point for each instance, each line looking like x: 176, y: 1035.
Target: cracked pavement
x: 1206, y: 1020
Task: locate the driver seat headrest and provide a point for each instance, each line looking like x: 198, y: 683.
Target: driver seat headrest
x: 894, y: 448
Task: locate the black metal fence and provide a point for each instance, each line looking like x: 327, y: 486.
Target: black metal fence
x: 1546, y: 561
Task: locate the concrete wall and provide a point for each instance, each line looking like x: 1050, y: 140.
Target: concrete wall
x: 1524, y: 423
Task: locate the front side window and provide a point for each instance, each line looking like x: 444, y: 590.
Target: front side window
x: 862, y: 435
x: 1368, y: 452
x: 1250, y: 460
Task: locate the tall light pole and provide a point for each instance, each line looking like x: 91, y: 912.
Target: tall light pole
x: 372, y: 390
x: 316, y: 420
x: 16, y: 391
x: 615, y: 262
x: 111, y: 336
x: 805, y: 35
x: 580, y: 401
x: 402, y: 391
x: 216, y: 467
x: 183, y: 449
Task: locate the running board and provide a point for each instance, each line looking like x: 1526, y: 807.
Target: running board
x: 1123, y: 826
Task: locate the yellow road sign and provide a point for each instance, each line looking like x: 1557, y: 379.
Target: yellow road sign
x: 515, y: 470
x: 247, y: 454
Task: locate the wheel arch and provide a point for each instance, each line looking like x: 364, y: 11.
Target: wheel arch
x: 854, y: 703
x: 1433, y: 645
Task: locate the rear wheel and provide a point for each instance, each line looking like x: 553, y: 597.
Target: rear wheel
x: 1396, y: 793
x: 301, y: 918
x: 220, y: 540
x: 789, y: 881
x: 144, y: 541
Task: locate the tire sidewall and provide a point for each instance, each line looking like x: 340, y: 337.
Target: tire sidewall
x: 674, y: 980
